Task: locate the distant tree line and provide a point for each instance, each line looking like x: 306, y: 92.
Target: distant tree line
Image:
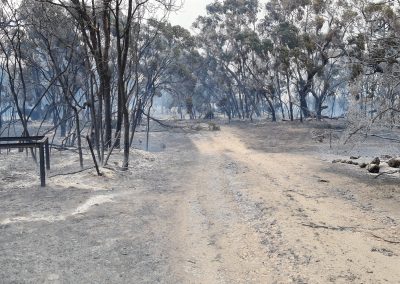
x: 95, y: 66
x: 308, y: 58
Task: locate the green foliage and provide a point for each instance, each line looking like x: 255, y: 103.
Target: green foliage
x: 318, y: 6
x: 288, y: 35
x: 309, y: 42
x: 319, y: 23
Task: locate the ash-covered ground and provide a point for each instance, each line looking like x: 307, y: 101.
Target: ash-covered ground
x: 251, y: 203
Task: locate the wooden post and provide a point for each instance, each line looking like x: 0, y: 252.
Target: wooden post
x: 42, y: 166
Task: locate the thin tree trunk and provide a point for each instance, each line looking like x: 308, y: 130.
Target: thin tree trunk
x: 78, y: 135
x: 148, y: 124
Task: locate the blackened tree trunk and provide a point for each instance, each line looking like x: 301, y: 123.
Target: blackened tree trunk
x: 271, y: 105
x: 303, y: 103
x: 78, y: 134
x: 290, y: 96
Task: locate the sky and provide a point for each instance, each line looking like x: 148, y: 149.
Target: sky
x: 190, y: 11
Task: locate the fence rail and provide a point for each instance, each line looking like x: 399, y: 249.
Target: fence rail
x: 41, y: 142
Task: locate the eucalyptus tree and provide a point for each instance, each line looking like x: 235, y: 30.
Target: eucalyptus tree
x: 312, y: 35
x: 375, y: 57
x: 228, y: 34
x: 181, y: 81
x: 212, y: 86
x: 278, y: 25
x: 162, y: 63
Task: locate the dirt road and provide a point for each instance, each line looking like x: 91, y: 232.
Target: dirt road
x: 218, y: 207
x: 263, y: 217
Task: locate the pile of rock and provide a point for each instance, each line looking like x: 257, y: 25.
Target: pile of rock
x: 374, y: 166
x: 344, y: 161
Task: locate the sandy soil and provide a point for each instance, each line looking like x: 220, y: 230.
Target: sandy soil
x: 252, y: 203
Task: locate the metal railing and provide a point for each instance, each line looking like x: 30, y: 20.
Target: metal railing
x: 41, y: 142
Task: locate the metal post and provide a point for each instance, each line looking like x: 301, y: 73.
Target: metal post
x: 46, y: 147
x: 42, y: 166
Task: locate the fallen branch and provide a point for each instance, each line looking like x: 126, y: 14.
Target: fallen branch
x: 108, y: 167
x: 387, y: 173
x: 384, y: 111
x: 72, y: 173
x: 383, y: 239
x: 64, y: 148
x: 386, y: 138
x: 307, y: 196
x: 111, y: 150
x: 353, y: 133
x: 316, y: 226
x: 93, y: 156
x: 160, y: 122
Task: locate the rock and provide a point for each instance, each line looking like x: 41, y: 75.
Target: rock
x: 373, y: 168
x: 355, y: 158
x: 394, y: 163
x: 376, y: 161
x: 363, y: 165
